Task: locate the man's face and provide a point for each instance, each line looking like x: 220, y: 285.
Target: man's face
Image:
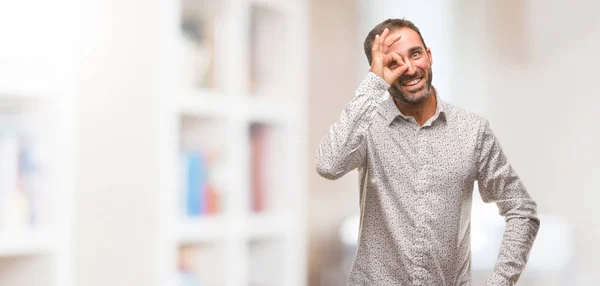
x: 414, y: 86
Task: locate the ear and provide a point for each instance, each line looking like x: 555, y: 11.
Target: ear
x: 429, y: 55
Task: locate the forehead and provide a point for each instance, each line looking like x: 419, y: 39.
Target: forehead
x: 409, y: 39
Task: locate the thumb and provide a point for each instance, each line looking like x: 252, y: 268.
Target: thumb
x: 400, y: 68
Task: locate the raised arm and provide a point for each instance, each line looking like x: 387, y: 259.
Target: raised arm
x: 343, y: 148
x: 499, y: 183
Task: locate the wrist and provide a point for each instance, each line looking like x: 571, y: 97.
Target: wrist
x: 377, y: 74
x: 373, y: 81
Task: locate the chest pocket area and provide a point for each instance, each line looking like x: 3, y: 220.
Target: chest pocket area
x: 449, y: 164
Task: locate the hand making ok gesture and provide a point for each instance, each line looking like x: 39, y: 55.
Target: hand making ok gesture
x: 385, y: 63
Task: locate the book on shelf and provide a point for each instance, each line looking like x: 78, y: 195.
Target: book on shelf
x: 21, y: 183
x: 267, y: 56
x: 267, y: 170
x: 201, y: 196
x: 187, y: 278
x: 187, y: 273
x: 200, y: 265
x: 197, y: 25
x: 258, y: 148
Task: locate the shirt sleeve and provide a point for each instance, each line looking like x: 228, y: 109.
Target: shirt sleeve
x: 343, y: 148
x: 499, y: 183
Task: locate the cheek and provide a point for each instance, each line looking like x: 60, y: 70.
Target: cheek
x: 397, y: 84
x: 426, y: 71
x: 424, y: 66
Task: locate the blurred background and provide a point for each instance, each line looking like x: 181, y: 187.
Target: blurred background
x: 172, y: 142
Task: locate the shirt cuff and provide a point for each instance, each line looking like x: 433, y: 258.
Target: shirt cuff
x: 497, y: 280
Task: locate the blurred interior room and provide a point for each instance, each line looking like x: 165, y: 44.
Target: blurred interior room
x: 172, y: 142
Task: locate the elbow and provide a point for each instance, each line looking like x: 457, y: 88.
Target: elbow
x: 525, y: 211
x: 328, y: 171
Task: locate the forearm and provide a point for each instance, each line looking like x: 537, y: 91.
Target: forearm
x: 522, y: 225
x: 342, y: 149
x: 499, y: 183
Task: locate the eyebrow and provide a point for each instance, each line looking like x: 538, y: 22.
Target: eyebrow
x: 415, y: 49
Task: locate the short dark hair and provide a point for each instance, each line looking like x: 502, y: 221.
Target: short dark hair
x: 391, y: 24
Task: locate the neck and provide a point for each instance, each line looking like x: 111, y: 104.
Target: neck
x: 420, y: 111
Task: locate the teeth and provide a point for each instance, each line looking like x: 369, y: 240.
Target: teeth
x: 414, y: 81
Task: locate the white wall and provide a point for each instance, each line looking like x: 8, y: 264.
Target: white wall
x: 334, y: 60
x: 117, y: 138
x: 540, y: 60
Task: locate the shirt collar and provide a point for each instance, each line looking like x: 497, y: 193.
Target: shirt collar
x: 390, y: 111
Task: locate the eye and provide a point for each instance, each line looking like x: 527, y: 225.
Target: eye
x: 415, y: 54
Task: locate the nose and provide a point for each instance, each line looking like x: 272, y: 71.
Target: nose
x: 411, y: 70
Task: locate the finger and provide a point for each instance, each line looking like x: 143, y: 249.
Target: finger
x: 388, y: 59
x: 400, y: 68
x: 397, y: 58
x: 392, y: 59
x: 384, y: 34
x: 382, y: 38
x: 390, y: 41
x: 375, y: 48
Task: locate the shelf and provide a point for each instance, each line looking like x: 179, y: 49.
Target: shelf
x: 204, y: 103
x: 268, y: 3
x: 268, y: 225
x: 213, y: 229
x: 26, y: 242
x: 35, y: 87
x: 271, y: 110
x: 267, y: 262
x: 201, y: 229
x: 20, y: 94
x: 207, y: 103
x: 237, y: 105
x: 278, y: 5
x: 12, y: 100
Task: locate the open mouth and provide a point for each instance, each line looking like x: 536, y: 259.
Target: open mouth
x: 413, y: 82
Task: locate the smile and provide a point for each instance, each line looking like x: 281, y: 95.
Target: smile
x: 413, y: 82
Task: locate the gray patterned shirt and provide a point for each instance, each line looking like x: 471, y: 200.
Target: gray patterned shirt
x: 416, y: 185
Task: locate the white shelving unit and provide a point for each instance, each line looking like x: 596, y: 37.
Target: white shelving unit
x: 40, y: 252
x: 37, y: 252
x: 241, y: 246
x: 36, y: 92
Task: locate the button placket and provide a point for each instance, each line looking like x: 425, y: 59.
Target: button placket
x: 421, y: 183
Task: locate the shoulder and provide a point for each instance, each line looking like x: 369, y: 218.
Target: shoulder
x: 470, y: 125
x: 463, y: 116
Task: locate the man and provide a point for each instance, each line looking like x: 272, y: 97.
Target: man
x: 418, y: 158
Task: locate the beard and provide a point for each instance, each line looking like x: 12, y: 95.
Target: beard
x: 409, y: 96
